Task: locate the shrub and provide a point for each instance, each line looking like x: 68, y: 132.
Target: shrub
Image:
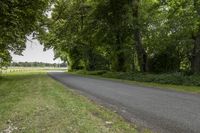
x: 165, y: 78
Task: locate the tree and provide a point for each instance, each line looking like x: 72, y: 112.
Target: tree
x: 18, y: 19
x: 125, y: 36
x: 195, y: 61
x: 141, y: 53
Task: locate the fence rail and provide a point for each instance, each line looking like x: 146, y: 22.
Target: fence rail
x: 29, y: 69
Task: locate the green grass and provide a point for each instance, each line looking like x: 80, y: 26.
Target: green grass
x: 174, y: 81
x: 33, y: 102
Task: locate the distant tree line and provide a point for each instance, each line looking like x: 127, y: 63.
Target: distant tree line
x: 37, y: 64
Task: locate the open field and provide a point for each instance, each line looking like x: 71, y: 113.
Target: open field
x: 33, y: 102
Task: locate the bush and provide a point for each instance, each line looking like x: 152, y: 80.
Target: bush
x: 166, y: 78
x: 99, y: 72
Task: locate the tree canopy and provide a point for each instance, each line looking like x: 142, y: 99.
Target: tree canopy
x: 116, y: 35
x: 18, y: 19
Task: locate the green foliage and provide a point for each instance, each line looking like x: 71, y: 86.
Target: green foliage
x: 85, y: 32
x: 99, y: 72
x: 115, y: 35
x: 165, y: 78
x: 18, y: 19
x: 175, y: 78
x: 124, y: 35
x: 165, y: 61
x: 5, y: 58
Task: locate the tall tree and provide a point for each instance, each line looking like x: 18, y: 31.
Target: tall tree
x: 18, y: 19
x: 141, y: 53
x: 162, y: 35
x: 195, y: 62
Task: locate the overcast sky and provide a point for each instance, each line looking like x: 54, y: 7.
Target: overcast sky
x: 34, y: 53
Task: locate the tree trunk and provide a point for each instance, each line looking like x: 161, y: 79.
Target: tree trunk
x: 120, y: 54
x: 141, y: 53
x: 195, y: 63
x: 118, y: 63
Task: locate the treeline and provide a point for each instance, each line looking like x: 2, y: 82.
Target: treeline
x: 126, y: 35
x: 114, y: 35
x: 37, y: 64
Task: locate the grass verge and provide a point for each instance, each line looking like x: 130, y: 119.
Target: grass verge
x: 175, y: 81
x: 33, y: 102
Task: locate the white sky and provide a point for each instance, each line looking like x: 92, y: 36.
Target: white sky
x: 34, y: 53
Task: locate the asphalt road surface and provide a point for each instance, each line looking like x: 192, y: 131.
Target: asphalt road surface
x: 160, y: 110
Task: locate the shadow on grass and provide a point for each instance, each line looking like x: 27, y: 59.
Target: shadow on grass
x: 19, y: 76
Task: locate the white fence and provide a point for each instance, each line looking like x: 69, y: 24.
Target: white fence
x: 29, y: 69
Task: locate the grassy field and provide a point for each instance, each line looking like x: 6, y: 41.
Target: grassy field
x: 174, y: 81
x: 33, y: 102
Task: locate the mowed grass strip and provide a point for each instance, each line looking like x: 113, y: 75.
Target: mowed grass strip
x: 33, y: 102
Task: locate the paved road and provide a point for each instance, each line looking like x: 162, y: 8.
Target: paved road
x: 161, y: 110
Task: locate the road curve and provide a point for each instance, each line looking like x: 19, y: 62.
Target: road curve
x: 162, y: 111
